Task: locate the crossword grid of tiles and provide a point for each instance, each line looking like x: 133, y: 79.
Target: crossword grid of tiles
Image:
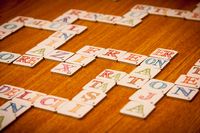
x: 141, y: 103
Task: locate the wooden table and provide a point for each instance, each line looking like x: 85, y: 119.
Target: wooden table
x: 170, y: 115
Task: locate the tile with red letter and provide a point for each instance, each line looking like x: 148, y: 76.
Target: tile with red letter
x: 40, y: 51
x: 6, y: 118
x: 80, y: 59
x: 89, y: 16
x: 182, y: 92
x: 89, y: 97
x: 21, y: 19
x: 36, y: 23
x: 109, y: 74
x: 132, y: 81
x: 130, y: 22
x: 145, y: 95
x: 49, y: 102
x: 197, y: 63
x: 74, y: 12
x: 53, y: 26
x: 15, y: 107
x: 158, y: 10
x: 4, y: 33
x: 9, y: 91
x: 111, y: 19
x: 111, y: 54
x: 188, y: 81
x: 194, y: 72
x: 28, y: 97
x: 100, y: 84
x: 58, y: 55
x: 74, y: 109
x: 158, y: 85
x: 177, y: 13
x: 12, y: 26
x: 63, y: 36
x: 145, y: 72
x: 68, y: 19
x: 132, y: 58
x: 90, y: 50
x: 141, y: 7
x: 28, y: 60
x: 136, y: 14
x: 193, y: 16
x: 51, y: 42
x: 164, y: 53
x: 154, y: 62
x: 137, y: 109
x: 8, y: 57
x: 78, y: 29
x: 66, y: 68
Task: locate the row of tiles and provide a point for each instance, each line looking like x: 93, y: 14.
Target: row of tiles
x: 131, y: 18
x: 141, y: 105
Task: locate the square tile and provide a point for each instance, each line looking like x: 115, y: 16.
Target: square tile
x: 53, y: 26
x: 74, y: 109
x: 177, y: 13
x: 28, y: 96
x: 89, y: 16
x: 188, y: 81
x: 130, y: 22
x: 90, y: 50
x: 63, y: 36
x: 110, y: 19
x: 111, y: 54
x: 181, y: 92
x: 89, y: 97
x: 68, y: 19
x: 51, y: 42
x: 132, y: 58
x: 28, y: 60
x: 194, y: 72
x: 80, y: 59
x: 154, y: 62
x: 40, y: 51
x: 167, y: 54
x: 8, y: 57
x: 158, y: 85
x: 66, y: 68
x: 74, y: 12
x: 15, y: 107
x: 136, y: 14
x: 158, y: 10
x: 58, y: 55
x: 145, y: 95
x: 78, y: 29
x: 6, y: 118
x: 141, y: 7
x: 9, y: 91
x: 193, y: 16
x: 49, y: 102
x: 21, y: 19
x: 145, y: 72
x: 132, y: 81
x: 12, y: 26
x: 100, y: 84
x: 137, y: 109
x: 109, y: 74
x: 36, y: 23
x: 4, y: 33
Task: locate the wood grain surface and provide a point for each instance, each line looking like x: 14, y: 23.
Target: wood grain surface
x: 171, y: 115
